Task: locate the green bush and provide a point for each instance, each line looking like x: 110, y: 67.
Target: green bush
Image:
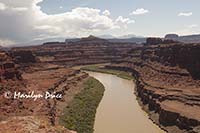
x: 121, y: 74
x: 80, y: 114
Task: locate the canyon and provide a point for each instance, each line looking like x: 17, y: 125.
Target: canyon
x: 167, y: 77
x: 167, y: 80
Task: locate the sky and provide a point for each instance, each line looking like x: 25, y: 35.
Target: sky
x: 25, y: 21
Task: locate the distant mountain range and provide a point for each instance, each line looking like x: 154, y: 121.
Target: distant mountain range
x: 130, y: 38
x: 123, y: 39
x: 185, y: 39
x: 137, y: 39
x: 3, y: 48
x: 107, y: 36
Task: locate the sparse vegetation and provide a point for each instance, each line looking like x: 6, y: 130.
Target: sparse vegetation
x: 80, y: 114
x: 121, y: 74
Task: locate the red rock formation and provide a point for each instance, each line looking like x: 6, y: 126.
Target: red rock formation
x: 156, y: 41
x: 171, y: 36
x: 8, y: 69
x: 167, y: 75
x: 167, y: 83
x: 23, y: 56
x: 153, y: 41
x: 182, y: 55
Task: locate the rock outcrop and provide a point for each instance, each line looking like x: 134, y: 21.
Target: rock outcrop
x: 43, y: 114
x: 184, y: 39
x: 156, y: 41
x: 89, y: 50
x: 182, y: 55
x: 153, y: 41
x: 171, y: 36
x: 92, y: 39
x: 23, y: 56
x: 8, y: 69
x: 167, y: 83
x: 1, y: 48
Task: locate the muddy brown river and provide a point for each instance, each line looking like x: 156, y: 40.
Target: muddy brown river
x: 119, y: 111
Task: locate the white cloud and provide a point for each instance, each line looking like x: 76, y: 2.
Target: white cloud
x: 106, y: 13
x: 188, y: 30
x: 6, y: 7
x: 2, y: 6
x: 61, y: 7
x: 123, y: 22
x: 19, y: 9
x: 192, y: 26
x: 185, y: 14
x: 6, y: 43
x: 139, y: 11
x: 121, y: 19
x: 23, y: 21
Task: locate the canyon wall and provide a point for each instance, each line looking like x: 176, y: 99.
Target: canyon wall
x: 182, y: 55
x: 8, y: 69
x: 86, y: 51
x: 167, y: 79
x: 167, y: 75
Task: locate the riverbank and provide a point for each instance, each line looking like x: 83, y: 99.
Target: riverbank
x: 79, y: 115
x: 129, y: 75
x: 155, y: 103
x: 121, y: 74
x: 119, y: 110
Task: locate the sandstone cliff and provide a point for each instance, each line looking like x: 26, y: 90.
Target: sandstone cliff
x: 8, y: 69
x: 167, y: 79
x: 167, y: 75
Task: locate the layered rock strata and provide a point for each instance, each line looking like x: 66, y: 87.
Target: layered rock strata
x: 167, y: 83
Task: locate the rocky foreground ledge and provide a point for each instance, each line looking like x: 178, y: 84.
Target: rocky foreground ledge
x: 168, y: 84
x: 37, y: 105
